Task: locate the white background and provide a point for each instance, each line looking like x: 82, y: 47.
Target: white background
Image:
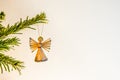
x: 85, y: 39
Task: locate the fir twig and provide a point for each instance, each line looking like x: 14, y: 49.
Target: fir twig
x: 41, y: 18
x: 8, y: 63
x: 7, y: 44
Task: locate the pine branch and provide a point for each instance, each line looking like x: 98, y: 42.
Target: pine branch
x: 8, y: 64
x: 7, y: 44
x: 41, y: 18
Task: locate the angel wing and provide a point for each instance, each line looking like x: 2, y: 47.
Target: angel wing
x: 46, y: 44
x: 33, y: 44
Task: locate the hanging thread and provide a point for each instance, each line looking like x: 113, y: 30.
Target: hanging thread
x: 40, y: 32
x: 42, y: 29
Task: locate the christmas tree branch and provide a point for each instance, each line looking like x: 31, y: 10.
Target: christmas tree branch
x: 8, y: 63
x: 41, y: 18
x: 7, y: 44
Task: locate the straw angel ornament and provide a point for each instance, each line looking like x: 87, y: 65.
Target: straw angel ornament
x: 39, y: 46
